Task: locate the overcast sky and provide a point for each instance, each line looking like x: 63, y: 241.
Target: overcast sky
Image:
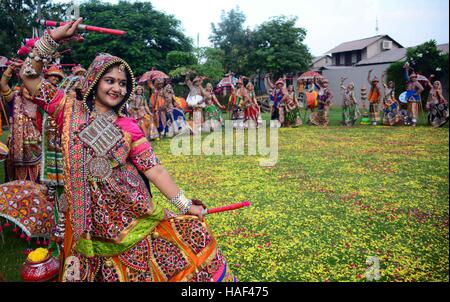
x: 328, y: 22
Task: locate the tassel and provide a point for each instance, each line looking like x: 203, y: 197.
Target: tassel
x: 7, y: 225
x: 15, y: 230
x: 22, y: 236
x: 38, y: 242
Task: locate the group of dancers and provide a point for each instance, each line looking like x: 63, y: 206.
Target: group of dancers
x: 384, y: 107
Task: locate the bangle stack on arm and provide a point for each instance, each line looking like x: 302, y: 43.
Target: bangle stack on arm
x: 44, y: 48
x: 181, y: 202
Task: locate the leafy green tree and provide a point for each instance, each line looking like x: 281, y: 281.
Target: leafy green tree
x: 176, y: 59
x: 425, y: 59
x: 17, y: 21
x: 230, y: 36
x: 210, y: 65
x: 277, y: 46
x: 151, y: 35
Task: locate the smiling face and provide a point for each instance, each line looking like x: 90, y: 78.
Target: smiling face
x: 111, y: 89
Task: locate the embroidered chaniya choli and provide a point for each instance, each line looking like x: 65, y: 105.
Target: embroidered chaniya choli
x: 114, y: 231
x: 24, y: 140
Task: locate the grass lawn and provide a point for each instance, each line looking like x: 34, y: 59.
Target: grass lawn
x: 336, y: 197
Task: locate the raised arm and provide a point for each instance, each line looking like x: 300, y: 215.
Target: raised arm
x: 342, y: 83
x: 369, y: 77
x: 31, y: 72
x: 268, y: 82
x: 4, y: 82
x: 383, y: 80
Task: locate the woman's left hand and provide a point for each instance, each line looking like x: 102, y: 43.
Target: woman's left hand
x: 196, y: 210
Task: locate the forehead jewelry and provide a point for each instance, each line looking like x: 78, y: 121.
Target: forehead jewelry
x: 122, y: 67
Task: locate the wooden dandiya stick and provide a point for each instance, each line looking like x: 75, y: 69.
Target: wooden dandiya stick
x: 103, y: 30
x: 230, y: 207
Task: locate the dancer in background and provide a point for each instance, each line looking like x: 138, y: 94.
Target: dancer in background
x: 391, y: 111
x: 252, y: 112
x: 349, y: 103
x: 278, y: 98
x: 236, y: 104
x: 293, y: 117
x: 213, y: 116
x: 437, y: 106
x: 196, y: 100
x: 374, y: 99
x: 24, y: 140
x: 413, y: 92
x: 321, y: 117
x: 139, y: 110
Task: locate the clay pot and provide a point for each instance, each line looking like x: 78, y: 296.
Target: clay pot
x: 42, y: 271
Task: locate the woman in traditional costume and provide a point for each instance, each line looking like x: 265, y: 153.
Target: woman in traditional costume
x: 139, y: 110
x: 391, y: 111
x: 114, y: 231
x: 24, y: 139
x: 278, y: 98
x: 321, y: 117
x: 252, y: 114
x: 174, y: 116
x: 293, y: 117
x: 437, y: 106
x: 349, y: 104
x: 158, y: 103
x: 213, y: 116
x: 236, y: 103
x: 196, y: 100
x: 374, y: 99
x: 413, y: 93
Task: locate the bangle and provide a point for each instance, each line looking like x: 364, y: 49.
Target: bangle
x: 181, y: 202
x: 7, y: 93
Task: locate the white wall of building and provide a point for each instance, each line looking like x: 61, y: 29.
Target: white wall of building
x: 357, y: 75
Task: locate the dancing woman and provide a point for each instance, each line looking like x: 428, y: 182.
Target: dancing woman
x: 391, y: 115
x: 213, y: 116
x: 413, y: 92
x: 293, y: 117
x: 114, y: 231
x: 374, y: 99
x: 24, y: 141
x: 437, y: 106
x: 139, y: 110
x: 349, y: 103
x: 252, y: 112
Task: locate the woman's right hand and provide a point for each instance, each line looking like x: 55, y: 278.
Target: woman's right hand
x: 65, y: 31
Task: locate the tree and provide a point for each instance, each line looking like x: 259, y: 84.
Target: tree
x: 209, y: 64
x: 151, y: 35
x: 18, y: 18
x: 176, y: 59
x: 230, y: 37
x: 277, y: 45
x: 425, y: 59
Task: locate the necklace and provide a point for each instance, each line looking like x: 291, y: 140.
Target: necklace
x: 101, y: 136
